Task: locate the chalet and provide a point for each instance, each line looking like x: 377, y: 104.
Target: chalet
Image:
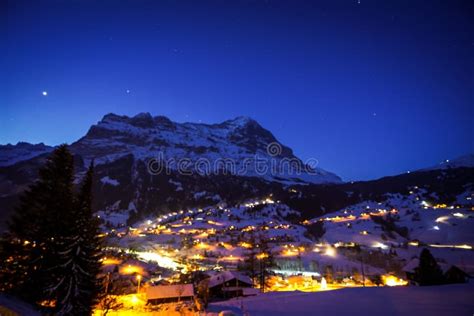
x: 169, y: 293
x: 456, y: 275
x: 227, y: 284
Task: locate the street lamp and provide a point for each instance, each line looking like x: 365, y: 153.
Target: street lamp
x: 139, y: 278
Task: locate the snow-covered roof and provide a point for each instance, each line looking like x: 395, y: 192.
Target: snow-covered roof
x: 411, y: 265
x: 225, y: 276
x: 169, y: 291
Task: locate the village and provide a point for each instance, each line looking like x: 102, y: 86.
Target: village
x: 182, y: 261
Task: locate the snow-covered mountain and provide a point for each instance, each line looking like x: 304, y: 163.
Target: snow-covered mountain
x: 240, y: 146
x: 466, y: 161
x: 225, y: 162
x: 11, y: 154
x: 126, y: 183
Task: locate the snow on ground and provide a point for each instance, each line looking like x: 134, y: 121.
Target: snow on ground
x: 445, y: 229
x: 107, y: 180
x: 223, y: 235
x: 11, y: 154
x: 389, y: 301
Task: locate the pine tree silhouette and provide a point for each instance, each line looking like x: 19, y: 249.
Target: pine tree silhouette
x: 80, y: 254
x: 51, y: 251
x: 428, y: 271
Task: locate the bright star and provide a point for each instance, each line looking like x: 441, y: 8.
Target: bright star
x: 45, y: 93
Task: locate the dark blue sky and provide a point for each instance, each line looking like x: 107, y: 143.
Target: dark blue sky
x: 370, y: 89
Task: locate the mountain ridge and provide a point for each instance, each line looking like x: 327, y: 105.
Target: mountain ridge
x: 241, y: 139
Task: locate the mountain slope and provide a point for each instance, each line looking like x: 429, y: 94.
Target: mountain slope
x: 223, y: 164
x: 126, y: 182
x: 11, y: 154
x: 239, y: 147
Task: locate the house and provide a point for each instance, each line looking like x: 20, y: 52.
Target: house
x: 456, y: 275
x: 227, y: 284
x: 451, y: 273
x: 169, y: 293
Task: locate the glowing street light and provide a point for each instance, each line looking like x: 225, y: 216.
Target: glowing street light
x: 330, y: 252
x: 139, y: 278
x: 262, y: 255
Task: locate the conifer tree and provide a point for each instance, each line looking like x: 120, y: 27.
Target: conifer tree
x: 50, y: 254
x: 29, y: 248
x: 259, y: 261
x: 266, y: 262
x: 250, y: 265
x: 428, y: 271
x: 78, y: 287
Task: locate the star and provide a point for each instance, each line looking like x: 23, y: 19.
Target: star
x: 44, y: 93
x: 127, y: 91
x: 374, y: 114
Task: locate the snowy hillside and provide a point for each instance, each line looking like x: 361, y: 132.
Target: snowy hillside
x: 380, y: 237
x: 127, y: 185
x: 408, y: 223
x: 11, y: 154
x: 425, y: 221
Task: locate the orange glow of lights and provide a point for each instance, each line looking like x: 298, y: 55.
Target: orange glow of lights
x: 131, y: 269
x: 391, y: 280
x: 231, y: 258
x: 215, y: 223
x: 132, y: 300
x: 262, y: 255
x: 248, y: 228
x: 197, y: 257
x: 289, y: 253
x: 110, y: 261
x: 226, y: 246
x: 202, y: 245
x: 245, y: 245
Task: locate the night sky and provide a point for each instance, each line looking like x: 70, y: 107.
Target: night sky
x: 370, y: 88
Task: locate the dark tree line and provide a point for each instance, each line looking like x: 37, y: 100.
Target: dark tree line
x: 259, y: 262
x: 429, y: 272
x: 50, y: 255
